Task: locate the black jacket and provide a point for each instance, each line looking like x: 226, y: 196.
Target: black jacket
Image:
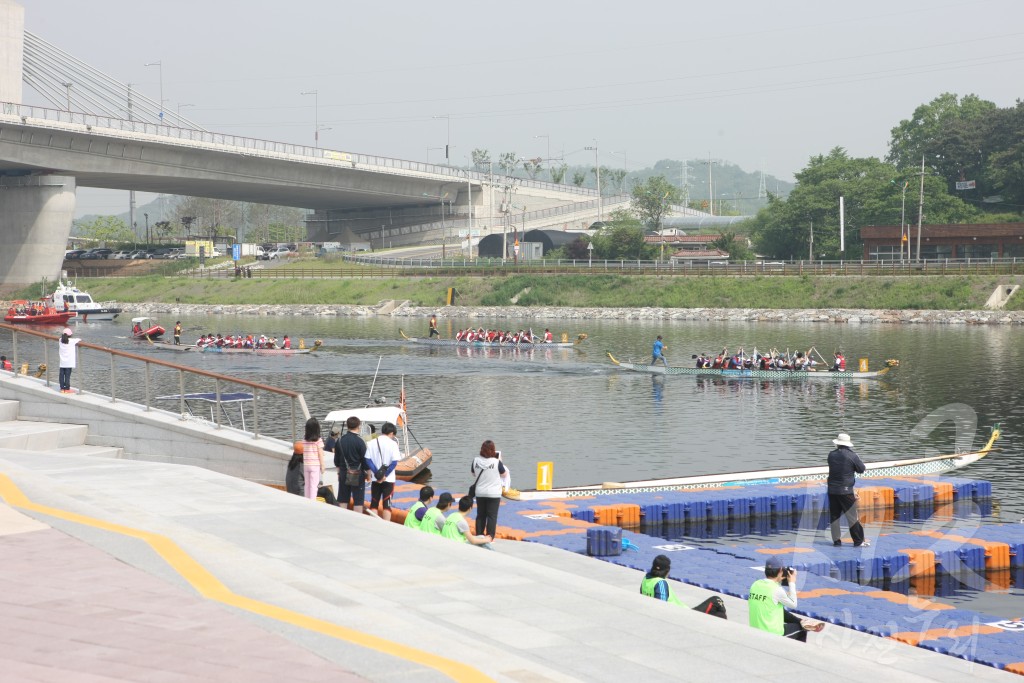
x: 843, y: 463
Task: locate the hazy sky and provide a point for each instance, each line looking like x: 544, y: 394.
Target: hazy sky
x: 752, y: 83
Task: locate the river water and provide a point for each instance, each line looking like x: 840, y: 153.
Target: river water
x: 599, y: 423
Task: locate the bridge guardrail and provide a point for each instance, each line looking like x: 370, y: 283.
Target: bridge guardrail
x: 90, y: 121
x: 98, y: 371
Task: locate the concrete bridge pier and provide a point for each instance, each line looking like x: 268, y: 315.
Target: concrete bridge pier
x: 35, y: 222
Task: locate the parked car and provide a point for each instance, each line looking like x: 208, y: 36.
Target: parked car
x: 101, y: 252
x: 74, y: 253
x: 91, y: 256
x: 120, y: 255
x: 140, y: 254
x: 278, y: 253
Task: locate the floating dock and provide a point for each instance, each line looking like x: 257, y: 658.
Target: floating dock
x: 840, y: 585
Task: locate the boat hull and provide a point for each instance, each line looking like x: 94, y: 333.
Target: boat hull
x: 97, y: 314
x: 254, y: 352
x: 892, y: 468
x: 42, y: 319
x: 412, y: 466
x: 751, y: 373
x: 150, y: 333
x: 490, y: 345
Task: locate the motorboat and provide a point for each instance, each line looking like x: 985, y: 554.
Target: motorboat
x: 82, y: 303
x: 22, y: 312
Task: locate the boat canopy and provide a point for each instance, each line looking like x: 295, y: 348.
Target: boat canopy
x: 140, y: 320
x: 372, y: 414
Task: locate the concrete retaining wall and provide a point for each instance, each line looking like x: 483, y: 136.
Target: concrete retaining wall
x: 154, y: 435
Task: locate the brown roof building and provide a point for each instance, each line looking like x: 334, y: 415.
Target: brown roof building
x: 956, y: 241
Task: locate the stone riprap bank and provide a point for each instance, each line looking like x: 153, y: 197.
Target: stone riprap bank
x: 838, y: 315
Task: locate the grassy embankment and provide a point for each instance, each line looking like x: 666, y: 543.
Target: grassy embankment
x: 599, y: 291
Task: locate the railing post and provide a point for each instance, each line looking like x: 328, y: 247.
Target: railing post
x: 14, y: 351
x: 181, y: 393
x: 255, y: 413
x: 46, y: 361
x: 216, y: 385
x: 147, y: 386
x: 113, y: 389
x: 295, y: 434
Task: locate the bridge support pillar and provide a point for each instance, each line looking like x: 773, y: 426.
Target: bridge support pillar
x: 35, y: 222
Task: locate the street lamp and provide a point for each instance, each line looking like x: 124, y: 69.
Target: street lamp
x: 160, y: 65
x: 547, y: 138
x: 432, y: 149
x: 182, y: 106
x: 316, y: 115
x: 597, y: 168
x: 448, y: 143
x: 321, y: 128
x: 444, y: 236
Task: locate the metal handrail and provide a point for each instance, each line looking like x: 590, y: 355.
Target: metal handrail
x: 21, y: 365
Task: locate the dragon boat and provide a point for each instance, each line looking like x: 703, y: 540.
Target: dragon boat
x: 564, y: 344
x: 937, y: 464
x: 754, y: 373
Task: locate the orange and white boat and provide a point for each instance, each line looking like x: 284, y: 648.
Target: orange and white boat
x: 22, y: 312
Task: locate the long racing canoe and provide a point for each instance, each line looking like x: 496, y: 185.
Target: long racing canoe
x: 493, y: 345
x: 753, y: 373
x: 937, y: 464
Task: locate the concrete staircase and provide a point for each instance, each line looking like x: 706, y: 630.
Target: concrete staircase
x: 47, y: 437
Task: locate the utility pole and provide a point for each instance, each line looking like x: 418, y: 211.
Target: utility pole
x: 920, y: 211
x: 711, y: 193
x: 685, y: 183
x: 316, y: 116
x: 810, y: 253
x: 597, y: 170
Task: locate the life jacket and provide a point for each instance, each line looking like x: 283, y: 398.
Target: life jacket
x: 841, y: 362
x: 429, y: 522
x: 717, y: 364
x: 451, y: 527
x: 410, y: 516
x: 7, y: 365
x: 547, y: 337
x: 765, y: 613
x: 287, y: 343
x: 647, y: 588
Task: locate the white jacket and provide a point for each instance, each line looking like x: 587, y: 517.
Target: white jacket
x: 489, y: 485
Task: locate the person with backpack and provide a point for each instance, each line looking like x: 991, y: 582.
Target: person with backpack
x: 350, y: 459
x: 382, y: 457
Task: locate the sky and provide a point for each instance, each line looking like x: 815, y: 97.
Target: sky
x: 757, y: 84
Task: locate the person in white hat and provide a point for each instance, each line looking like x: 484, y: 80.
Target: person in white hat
x: 843, y: 466
x: 66, y: 351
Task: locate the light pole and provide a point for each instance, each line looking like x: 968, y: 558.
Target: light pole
x: 319, y: 129
x: 432, y: 149
x: 547, y: 138
x: 711, y: 194
x: 448, y: 143
x: 597, y: 169
x: 444, y: 236
x: 903, y: 221
x: 160, y: 65
x: 68, y: 86
x: 316, y: 115
x: 147, y: 227
x: 180, y: 107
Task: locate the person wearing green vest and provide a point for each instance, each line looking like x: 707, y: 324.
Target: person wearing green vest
x: 413, y: 517
x: 769, y: 598
x: 457, y: 528
x: 655, y: 585
x: 433, y: 518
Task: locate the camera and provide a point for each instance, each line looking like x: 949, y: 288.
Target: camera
x: 786, y: 573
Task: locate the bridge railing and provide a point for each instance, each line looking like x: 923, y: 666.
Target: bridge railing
x: 332, y: 157
x: 123, y: 376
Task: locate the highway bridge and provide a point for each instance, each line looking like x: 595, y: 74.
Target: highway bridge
x: 108, y: 136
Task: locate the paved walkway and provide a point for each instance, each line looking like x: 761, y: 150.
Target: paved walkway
x: 113, y: 570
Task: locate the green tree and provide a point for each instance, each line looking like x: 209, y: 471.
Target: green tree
x: 920, y: 134
x: 616, y: 177
x: 481, y: 158
x: 508, y: 162
x: 733, y: 245
x: 578, y: 177
x: 533, y: 167
x: 872, y: 193
x: 652, y: 199
x: 622, y: 237
x: 558, y: 173
x: 107, y: 229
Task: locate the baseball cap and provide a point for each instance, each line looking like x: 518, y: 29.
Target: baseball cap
x: 774, y: 562
x: 67, y: 331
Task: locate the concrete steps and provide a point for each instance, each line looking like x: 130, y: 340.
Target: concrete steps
x: 47, y: 438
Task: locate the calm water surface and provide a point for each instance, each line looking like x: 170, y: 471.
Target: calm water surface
x: 598, y: 423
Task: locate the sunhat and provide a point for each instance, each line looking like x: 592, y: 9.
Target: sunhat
x: 843, y: 440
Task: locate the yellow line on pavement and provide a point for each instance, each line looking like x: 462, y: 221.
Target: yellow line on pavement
x: 210, y: 587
